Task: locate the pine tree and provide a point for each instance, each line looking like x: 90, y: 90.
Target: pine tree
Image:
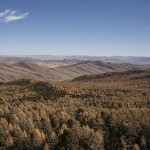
x: 68, y: 141
x: 2, y: 141
x: 39, y: 138
x: 9, y: 141
x: 46, y: 147
x: 136, y: 147
x: 143, y: 143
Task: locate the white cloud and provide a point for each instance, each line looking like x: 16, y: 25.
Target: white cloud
x: 8, y: 16
x: 13, y: 17
x: 2, y: 14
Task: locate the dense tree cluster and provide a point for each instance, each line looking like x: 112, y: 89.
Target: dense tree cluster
x: 111, y: 113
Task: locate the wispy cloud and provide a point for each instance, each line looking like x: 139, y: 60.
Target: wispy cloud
x: 9, y: 15
x: 2, y: 14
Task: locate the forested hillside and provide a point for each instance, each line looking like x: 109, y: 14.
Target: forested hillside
x: 108, y: 111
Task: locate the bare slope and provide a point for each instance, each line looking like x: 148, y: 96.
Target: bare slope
x: 28, y: 69
x: 91, y: 67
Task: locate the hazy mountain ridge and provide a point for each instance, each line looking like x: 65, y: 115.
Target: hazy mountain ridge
x: 65, y: 69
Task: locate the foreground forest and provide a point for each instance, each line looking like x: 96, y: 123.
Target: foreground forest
x: 108, y: 111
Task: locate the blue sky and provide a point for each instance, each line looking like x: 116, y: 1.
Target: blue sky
x: 75, y: 27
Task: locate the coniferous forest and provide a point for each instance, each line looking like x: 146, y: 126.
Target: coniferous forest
x: 108, y: 111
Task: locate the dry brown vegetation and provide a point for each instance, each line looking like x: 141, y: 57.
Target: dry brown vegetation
x: 105, y: 111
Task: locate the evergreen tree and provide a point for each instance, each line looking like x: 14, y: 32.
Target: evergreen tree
x: 68, y: 141
x: 2, y: 142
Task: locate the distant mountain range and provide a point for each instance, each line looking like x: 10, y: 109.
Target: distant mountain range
x: 116, y: 59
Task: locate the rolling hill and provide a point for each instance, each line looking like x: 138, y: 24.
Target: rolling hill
x: 34, y: 69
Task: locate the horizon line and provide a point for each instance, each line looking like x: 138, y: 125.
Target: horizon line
x: 69, y: 55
